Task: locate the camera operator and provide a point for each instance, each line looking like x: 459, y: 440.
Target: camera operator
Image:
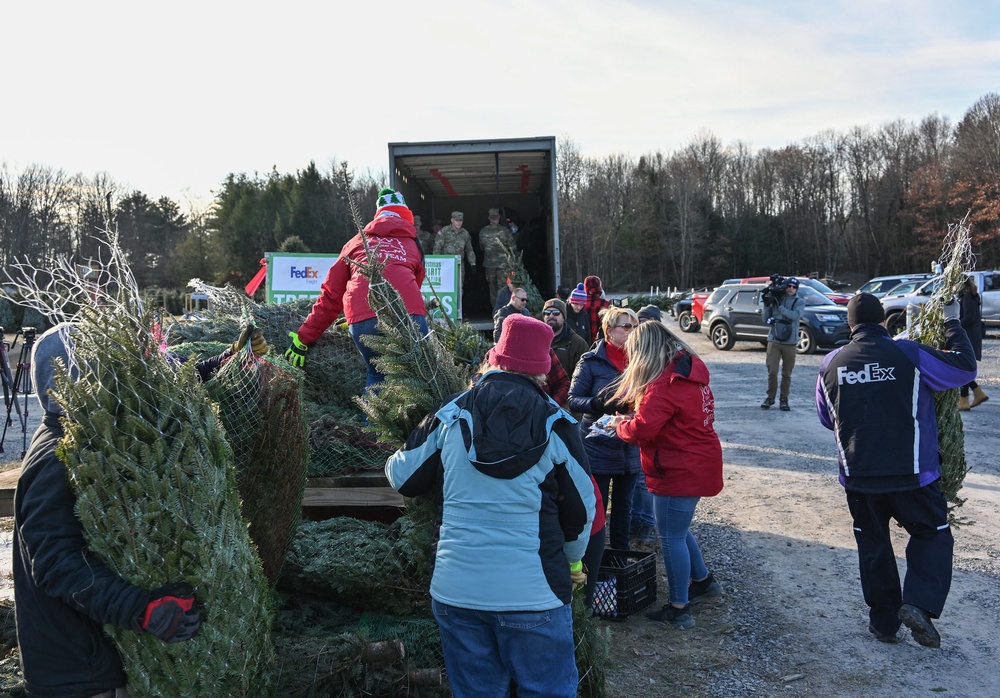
x: 782, y: 311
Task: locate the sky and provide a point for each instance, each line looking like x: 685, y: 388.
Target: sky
x: 170, y: 98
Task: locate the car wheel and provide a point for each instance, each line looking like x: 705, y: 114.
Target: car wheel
x: 807, y: 342
x: 722, y: 337
x: 687, y: 322
x: 895, y: 323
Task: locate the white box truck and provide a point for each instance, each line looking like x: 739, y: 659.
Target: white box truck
x: 515, y: 175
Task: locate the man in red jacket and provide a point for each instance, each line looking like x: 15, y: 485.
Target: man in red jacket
x: 393, y: 242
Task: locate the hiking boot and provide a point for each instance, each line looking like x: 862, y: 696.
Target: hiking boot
x: 919, y: 623
x: 784, y: 405
x: 677, y: 617
x: 888, y: 638
x: 766, y: 405
x: 707, y: 588
x: 978, y: 397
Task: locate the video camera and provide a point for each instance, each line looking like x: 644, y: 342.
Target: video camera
x: 775, y: 291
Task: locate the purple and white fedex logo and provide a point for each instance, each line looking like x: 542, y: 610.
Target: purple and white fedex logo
x: 303, y: 273
x: 871, y: 373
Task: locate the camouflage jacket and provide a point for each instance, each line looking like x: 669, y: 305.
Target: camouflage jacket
x: 491, y: 241
x: 450, y: 241
x: 426, y: 239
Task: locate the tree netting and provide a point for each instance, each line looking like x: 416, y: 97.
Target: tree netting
x: 927, y: 325
x: 260, y: 409
x: 156, y: 491
x: 334, y: 374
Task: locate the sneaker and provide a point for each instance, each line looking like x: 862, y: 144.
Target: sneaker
x: 677, y: 617
x: 766, y: 405
x: 888, y: 638
x: 707, y: 588
x: 784, y: 406
x: 919, y: 623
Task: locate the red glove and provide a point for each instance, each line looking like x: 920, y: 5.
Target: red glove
x: 171, y: 613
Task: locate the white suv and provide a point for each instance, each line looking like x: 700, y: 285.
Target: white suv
x: 989, y: 292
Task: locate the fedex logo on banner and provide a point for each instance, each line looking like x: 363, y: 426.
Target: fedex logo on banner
x: 306, y: 273
x: 871, y: 373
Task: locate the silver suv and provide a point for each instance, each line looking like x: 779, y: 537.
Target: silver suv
x: 989, y: 292
x: 881, y: 285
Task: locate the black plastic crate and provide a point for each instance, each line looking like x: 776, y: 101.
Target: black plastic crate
x: 626, y: 583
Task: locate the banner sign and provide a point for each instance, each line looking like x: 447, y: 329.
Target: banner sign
x: 293, y: 276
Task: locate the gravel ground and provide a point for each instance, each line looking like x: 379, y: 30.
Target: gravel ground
x: 792, y: 621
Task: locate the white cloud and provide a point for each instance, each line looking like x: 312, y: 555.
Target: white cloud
x: 176, y: 96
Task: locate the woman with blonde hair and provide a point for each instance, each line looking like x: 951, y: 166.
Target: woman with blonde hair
x: 613, y: 463
x: 667, y: 385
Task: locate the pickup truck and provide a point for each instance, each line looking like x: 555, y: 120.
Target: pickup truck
x: 989, y: 292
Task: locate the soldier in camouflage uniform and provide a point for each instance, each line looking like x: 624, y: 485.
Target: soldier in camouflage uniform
x: 425, y: 237
x: 456, y: 240
x: 492, y: 239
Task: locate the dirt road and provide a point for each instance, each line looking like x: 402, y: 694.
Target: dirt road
x: 793, y: 621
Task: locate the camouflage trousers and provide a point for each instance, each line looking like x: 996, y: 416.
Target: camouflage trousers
x: 116, y: 693
x: 496, y: 279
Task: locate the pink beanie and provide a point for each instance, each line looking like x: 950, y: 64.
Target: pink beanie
x: 524, y: 346
x: 578, y: 295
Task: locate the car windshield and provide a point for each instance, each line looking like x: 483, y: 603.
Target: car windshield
x: 905, y: 287
x: 813, y: 297
x: 818, y: 285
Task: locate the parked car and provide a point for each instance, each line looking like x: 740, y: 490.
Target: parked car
x: 881, y: 285
x: 689, y: 311
x: 895, y: 304
x: 733, y: 314
x: 835, y: 296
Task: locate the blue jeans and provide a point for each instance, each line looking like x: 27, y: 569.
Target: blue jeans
x: 681, y: 554
x: 367, y: 327
x: 485, y: 650
x: 642, y: 504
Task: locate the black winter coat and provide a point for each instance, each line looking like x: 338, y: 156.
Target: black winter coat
x: 63, y: 595
x: 972, y: 321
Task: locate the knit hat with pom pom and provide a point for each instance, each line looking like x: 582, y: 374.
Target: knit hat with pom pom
x: 392, y: 203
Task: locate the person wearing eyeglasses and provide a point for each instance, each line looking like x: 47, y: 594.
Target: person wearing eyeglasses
x: 673, y: 424
x: 518, y: 304
x: 614, y: 463
x: 566, y: 343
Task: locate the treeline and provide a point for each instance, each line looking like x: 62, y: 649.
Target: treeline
x: 869, y: 201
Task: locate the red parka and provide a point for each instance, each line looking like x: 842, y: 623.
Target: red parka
x: 673, y: 427
x: 394, y: 242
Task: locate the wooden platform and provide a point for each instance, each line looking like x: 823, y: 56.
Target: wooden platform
x: 350, y: 491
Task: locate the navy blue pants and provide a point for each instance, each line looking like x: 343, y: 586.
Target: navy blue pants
x: 923, y: 513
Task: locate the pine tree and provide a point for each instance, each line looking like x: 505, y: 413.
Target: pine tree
x: 156, y: 490
x: 928, y: 327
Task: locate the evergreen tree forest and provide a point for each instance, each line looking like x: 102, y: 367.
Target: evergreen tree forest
x: 873, y: 200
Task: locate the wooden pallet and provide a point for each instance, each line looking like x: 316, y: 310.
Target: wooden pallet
x: 350, y: 491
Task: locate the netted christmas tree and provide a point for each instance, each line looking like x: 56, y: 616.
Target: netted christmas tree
x: 520, y: 278
x: 156, y: 488
x: 926, y: 325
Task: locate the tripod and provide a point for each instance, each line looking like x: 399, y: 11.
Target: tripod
x: 20, y: 382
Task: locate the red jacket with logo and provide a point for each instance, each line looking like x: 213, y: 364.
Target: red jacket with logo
x: 674, y: 429
x: 393, y: 241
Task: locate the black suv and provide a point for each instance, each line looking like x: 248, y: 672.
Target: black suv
x: 733, y: 314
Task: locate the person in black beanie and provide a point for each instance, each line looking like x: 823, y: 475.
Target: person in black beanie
x: 876, y: 395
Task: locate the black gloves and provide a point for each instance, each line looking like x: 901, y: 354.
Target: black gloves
x: 171, y: 613
x: 602, y: 404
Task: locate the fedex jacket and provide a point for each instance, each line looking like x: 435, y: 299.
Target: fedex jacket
x: 875, y: 394
x: 393, y: 242
x: 518, y: 500
x: 674, y: 429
